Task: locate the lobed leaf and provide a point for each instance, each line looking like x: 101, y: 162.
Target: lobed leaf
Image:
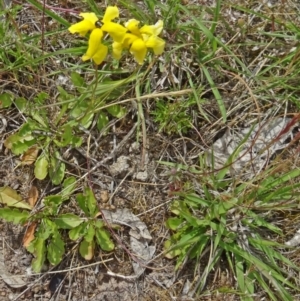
x: 14, y: 215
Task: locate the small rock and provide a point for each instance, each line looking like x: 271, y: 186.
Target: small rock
x: 134, y: 147
x: 120, y: 166
x: 142, y: 175
x: 104, y: 195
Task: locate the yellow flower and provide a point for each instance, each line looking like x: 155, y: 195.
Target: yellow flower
x: 138, y: 40
x: 139, y: 50
x: 88, y: 23
x: 156, y: 43
x: 115, y: 30
x: 133, y: 26
x: 96, y: 50
x: 131, y: 37
x: 127, y: 42
x: 154, y: 30
x: 111, y: 13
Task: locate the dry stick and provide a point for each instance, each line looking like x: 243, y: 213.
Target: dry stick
x: 142, y: 119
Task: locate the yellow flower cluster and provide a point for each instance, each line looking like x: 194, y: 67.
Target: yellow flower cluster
x: 136, y: 40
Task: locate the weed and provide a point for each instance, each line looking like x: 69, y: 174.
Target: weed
x: 233, y: 221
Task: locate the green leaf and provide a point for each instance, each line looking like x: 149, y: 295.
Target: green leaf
x: 63, y: 94
x: 53, y: 199
x: 77, y: 80
x: 23, y: 145
x: 56, y: 169
x: 199, y: 246
x: 189, y: 218
x: 102, y: 120
x: 78, y: 231
x: 89, y: 237
x: 39, y: 253
x: 116, y: 111
x: 98, y: 224
x: 221, y: 230
x: 40, y: 98
x: 68, y: 221
x: 259, y: 221
x: 91, y: 202
x: 103, y: 240
x: 239, y: 270
x: 268, y: 271
x: 21, y: 104
x: 87, y: 120
x: 41, y: 167
x: 6, y: 100
x: 197, y: 200
x: 46, y: 229
x: 41, y: 117
x: 69, y: 186
x: 86, y: 249
x: 55, y: 249
x: 11, y: 198
x: 66, y: 137
x: 171, y: 252
x: 76, y: 141
x: 14, y: 215
x: 174, y: 222
x: 216, y: 93
x: 87, y: 202
x: 81, y: 200
x: 27, y: 128
x: 19, y: 144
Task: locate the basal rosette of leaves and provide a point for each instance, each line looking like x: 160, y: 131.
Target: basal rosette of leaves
x: 129, y: 37
x: 48, y: 230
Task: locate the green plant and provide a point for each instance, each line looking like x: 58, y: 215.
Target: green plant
x: 173, y: 116
x: 233, y: 220
x: 48, y: 227
x: 50, y: 135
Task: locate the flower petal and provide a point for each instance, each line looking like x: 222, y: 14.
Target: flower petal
x: 116, y: 31
x: 157, y: 44
x: 82, y: 27
x: 88, y: 23
x: 90, y: 17
x: 153, y: 29
x: 117, y: 50
x: 94, y: 44
x: 133, y: 26
x: 111, y: 13
x: 139, y: 50
x: 100, y: 55
x: 129, y: 38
